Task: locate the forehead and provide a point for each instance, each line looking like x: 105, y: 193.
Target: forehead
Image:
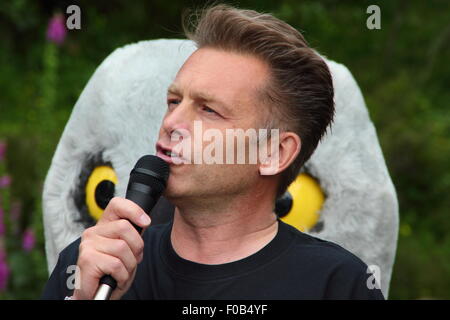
x: 233, y: 77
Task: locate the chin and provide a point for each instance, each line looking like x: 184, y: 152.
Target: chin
x: 175, y: 191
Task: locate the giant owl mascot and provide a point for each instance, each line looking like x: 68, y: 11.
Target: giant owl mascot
x: 343, y: 194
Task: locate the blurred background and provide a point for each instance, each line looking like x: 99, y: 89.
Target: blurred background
x: 403, y: 70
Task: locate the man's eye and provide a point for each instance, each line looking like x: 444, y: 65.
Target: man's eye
x: 208, y: 109
x: 173, y: 102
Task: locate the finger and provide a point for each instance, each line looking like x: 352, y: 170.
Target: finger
x: 90, y: 273
x: 117, y: 248
x: 115, y: 268
x: 121, y: 208
x: 118, y: 293
x: 121, y: 229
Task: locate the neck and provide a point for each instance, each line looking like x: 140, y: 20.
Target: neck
x: 224, y: 232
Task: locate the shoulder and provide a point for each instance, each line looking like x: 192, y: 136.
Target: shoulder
x: 342, y: 273
x: 320, y: 249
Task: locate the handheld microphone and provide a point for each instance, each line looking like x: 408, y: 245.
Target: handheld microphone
x: 147, y: 182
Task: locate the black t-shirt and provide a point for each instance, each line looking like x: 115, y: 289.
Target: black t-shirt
x: 293, y: 265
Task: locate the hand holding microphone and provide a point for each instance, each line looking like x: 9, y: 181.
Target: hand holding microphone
x: 110, y: 251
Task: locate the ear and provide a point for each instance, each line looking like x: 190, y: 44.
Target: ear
x: 284, y: 148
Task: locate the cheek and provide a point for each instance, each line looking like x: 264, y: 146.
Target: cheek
x: 241, y: 151
x: 238, y: 175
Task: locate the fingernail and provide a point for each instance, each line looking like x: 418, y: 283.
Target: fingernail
x: 145, y: 219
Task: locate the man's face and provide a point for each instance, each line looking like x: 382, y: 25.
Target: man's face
x: 217, y: 90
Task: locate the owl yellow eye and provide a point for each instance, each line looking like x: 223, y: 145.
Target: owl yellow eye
x: 100, y: 189
x: 302, y: 203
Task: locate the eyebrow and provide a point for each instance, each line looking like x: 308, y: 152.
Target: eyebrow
x: 203, y: 96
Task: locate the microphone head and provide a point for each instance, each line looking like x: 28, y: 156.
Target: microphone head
x: 155, y: 164
x: 152, y: 171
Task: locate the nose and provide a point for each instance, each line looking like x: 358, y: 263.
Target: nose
x: 178, y: 119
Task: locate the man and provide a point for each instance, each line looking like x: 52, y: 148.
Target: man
x: 251, y: 71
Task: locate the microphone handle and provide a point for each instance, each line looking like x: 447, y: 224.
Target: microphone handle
x: 139, y: 194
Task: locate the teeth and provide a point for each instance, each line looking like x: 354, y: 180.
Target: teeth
x: 170, y: 154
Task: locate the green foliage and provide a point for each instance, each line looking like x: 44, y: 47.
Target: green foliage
x: 24, y: 258
x: 402, y: 70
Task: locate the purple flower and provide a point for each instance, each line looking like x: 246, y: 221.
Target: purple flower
x: 4, y: 273
x: 28, y: 240
x: 5, y: 181
x: 56, y: 30
x: 2, y: 150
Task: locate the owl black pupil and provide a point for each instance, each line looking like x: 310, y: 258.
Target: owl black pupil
x: 283, y: 204
x: 104, y: 192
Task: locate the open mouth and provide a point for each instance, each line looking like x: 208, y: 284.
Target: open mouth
x: 167, y: 154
